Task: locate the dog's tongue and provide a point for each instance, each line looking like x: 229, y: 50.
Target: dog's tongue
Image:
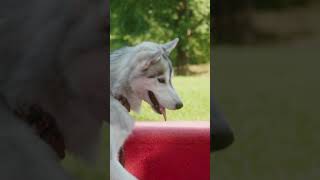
x: 163, y: 112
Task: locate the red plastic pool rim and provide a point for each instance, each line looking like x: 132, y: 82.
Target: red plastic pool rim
x: 169, y: 151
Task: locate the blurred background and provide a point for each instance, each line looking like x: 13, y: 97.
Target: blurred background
x: 266, y: 82
x: 133, y: 22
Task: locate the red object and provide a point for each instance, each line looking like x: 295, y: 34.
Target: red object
x: 169, y: 151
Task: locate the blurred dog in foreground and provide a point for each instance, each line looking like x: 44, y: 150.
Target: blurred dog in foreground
x: 139, y: 73
x: 52, y: 85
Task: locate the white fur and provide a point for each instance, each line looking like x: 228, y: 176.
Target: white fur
x: 127, y: 79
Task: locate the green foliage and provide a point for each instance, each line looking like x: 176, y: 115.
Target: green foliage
x: 148, y: 20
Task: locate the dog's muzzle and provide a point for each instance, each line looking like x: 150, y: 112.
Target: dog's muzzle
x: 156, y: 105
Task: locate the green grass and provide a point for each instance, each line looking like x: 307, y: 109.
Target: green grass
x: 194, y: 92
x: 270, y: 96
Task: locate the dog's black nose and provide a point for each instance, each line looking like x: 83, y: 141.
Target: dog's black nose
x: 179, y: 105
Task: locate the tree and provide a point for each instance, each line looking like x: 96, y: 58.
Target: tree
x: 136, y: 21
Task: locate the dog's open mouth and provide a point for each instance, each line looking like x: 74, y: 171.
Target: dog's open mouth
x: 156, y: 105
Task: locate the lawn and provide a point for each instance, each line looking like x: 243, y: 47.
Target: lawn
x: 270, y: 97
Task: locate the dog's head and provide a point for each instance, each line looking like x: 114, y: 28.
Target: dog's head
x: 152, y: 78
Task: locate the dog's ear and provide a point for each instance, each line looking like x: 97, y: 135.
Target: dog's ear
x: 152, y: 59
x: 169, y: 46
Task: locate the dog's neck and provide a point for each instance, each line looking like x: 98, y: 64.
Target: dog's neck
x: 128, y: 99
x: 44, y: 125
x: 124, y: 101
x: 120, y: 70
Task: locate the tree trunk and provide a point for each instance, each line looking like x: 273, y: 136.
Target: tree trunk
x: 182, y: 58
x: 182, y: 62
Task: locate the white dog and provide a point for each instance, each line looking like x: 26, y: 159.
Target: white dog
x: 142, y: 72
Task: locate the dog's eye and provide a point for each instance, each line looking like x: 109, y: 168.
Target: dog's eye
x: 162, y: 80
